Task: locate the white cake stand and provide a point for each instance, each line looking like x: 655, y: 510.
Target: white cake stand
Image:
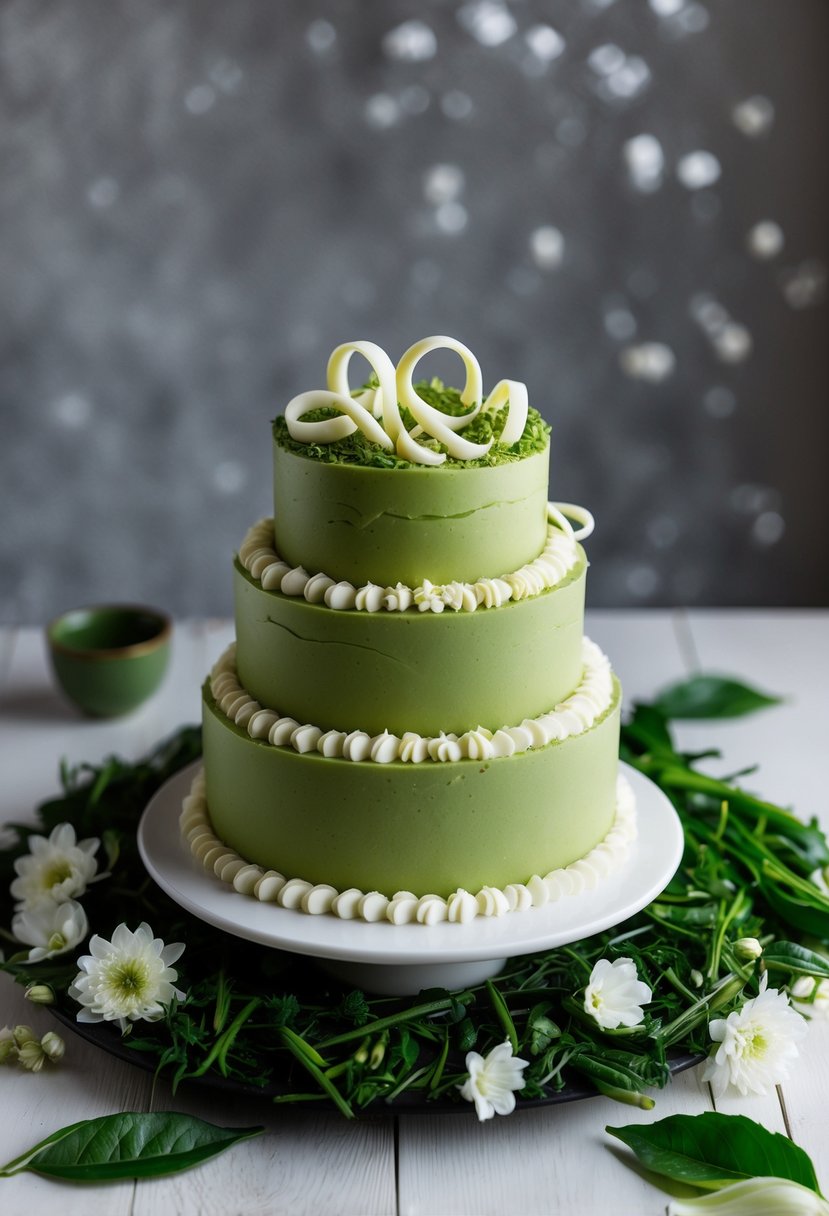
x: 400, y: 960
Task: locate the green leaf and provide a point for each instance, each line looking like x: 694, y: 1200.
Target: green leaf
x: 789, y: 956
x: 711, y: 697
x: 648, y: 729
x: 712, y: 1150
x: 809, y: 913
x: 129, y: 1145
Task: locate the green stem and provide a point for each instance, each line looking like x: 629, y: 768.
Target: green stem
x: 503, y: 1015
x: 701, y: 1010
x: 218, y: 1052
x: 308, y: 1057
x: 400, y: 1019
x: 740, y: 904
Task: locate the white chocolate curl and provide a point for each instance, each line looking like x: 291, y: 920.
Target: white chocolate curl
x: 377, y: 413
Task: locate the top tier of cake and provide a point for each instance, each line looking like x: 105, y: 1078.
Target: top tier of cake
x: 369, y: 525
x: 391, y: 485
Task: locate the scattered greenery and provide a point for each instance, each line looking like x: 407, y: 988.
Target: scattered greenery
x: 358, y: 449
x: 131, y: 1144
x: 274, y: 1023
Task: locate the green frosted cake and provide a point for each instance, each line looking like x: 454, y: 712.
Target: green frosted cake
x: 411, y: 726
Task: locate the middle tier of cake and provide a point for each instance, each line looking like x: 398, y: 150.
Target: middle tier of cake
x: 424, y: 659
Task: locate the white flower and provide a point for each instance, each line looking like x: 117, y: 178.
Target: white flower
x: 811, y: 996
x: 55, y: 869
x: 129, y: 978
x: 754, y: 1197
x: 492, y: 1079
x: 50, y: 929
x: 756, y: 1043
x: 614, y: 995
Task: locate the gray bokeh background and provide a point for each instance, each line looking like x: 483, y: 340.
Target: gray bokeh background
x: 621, y: 203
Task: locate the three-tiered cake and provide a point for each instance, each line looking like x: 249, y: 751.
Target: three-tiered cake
x: 411, y: 725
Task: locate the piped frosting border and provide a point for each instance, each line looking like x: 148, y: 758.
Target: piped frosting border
x: 403, y: 908
x: 558, y: 557
x: 591, y: 699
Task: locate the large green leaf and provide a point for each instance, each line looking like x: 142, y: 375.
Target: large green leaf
x: 809, y: 913
x: 799, y: 960
x: 712, y: 1150
x: 711, y: 697
x: 128, y: 1145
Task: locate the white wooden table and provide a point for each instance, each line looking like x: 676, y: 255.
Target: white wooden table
x: 552, y: 1160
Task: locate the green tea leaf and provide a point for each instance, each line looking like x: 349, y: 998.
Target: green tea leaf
x: 789, y: 956
x: 129, y: 1145
x: 711, y: 697
x: 810, y: 913
x: 648, y: 729
x: 704, y: 1150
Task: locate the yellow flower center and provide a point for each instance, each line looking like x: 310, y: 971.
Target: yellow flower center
x: 129, y: 978
x: 57, y: 873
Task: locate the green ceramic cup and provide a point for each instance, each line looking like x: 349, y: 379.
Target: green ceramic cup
x: 110, y: 658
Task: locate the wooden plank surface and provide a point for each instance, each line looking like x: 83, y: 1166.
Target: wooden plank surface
x: 557, y: 1160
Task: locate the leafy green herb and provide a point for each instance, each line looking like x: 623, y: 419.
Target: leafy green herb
x: 128, y: 1145
x: 711, y: 697
x: 702, y: 1150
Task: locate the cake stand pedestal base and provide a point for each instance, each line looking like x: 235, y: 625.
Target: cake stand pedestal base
x: 401, y: 960
x: 408, y: 979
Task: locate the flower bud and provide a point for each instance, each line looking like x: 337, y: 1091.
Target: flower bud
x: 40, y: 994
x: 747, y: 948
x: 361, y: 1054
x: 8, y: 1047
x: 53, y: 1046
x: 32, y: 1055
x: 697, y: 978
x: 377, y: 1053
x: 23, y: 1035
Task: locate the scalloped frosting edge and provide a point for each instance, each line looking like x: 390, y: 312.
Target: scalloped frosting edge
x: 404, y: 908
x: 577, y: 713
x: 558, y: 557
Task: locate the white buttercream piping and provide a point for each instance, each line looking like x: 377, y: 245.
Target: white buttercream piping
x: 404, y: 907
x: 558, y: 557
x: 395, y: 386
x: 572, y: 716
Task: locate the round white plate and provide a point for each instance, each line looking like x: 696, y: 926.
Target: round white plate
x: 379, y: 955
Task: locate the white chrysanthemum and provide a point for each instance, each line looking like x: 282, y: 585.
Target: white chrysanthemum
x: 614, y: 995
x: 50, y: 929
x: 756, y: 1043
x: 492, y: 1080
x: 55, y: 869
x: 811, y: 996
x: 752, y: 1196
x: 127, y: 979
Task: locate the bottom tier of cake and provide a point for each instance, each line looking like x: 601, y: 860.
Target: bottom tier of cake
x: 430, y: 827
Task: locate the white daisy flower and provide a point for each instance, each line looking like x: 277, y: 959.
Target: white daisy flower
x: 615, y: 995
x: 50, y: 929
x: 756, y: 1043
x: 55, y: 869
x: 127, y: 979
x: 492, y: 1080
x: 810, y: 996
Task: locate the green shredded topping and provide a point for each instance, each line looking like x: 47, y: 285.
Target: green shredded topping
x: 358, y: 449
